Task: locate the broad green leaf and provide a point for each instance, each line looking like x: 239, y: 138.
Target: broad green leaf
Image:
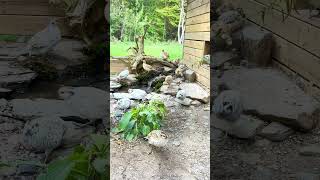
x: 145, y: 130
x: 100, y: 165
x: 124, y: 121
x: 58, y: 170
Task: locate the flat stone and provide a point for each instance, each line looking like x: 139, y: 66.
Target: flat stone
x: 29, y: 109
x: 270, y: 95
x: 221, y: 57
x: 245, y: 127
x: 311, y: 150
x: 137, y: 94
x: 114, y: 85
x: 88, y: 102
x: 195, y: 91
x: 4, y: 92
x: 14, y: 76
x: 276, y: 132
x: 74, y: 135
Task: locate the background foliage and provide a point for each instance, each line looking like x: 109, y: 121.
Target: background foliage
x: 129, y: 16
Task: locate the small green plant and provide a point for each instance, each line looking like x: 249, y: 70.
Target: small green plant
x: 141, y: 120
x: 84, y: 163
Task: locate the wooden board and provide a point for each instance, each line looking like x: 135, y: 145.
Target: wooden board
x: 29, y: 8
x: 292, y: 29
x: 204, y: 36
x: 193, y: 61
x: 199, y: 10
x: 204, y: 18
x: 194, y: 44
x: 204, y: 27
x: 195, y: 52
x: 28, y: 25
x: 196, y: 3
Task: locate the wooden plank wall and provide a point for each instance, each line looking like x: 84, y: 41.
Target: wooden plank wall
x: 196, y: 35
x: 297, y: 40
x: 26, y: 17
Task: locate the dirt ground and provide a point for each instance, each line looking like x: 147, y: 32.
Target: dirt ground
x: 185, y: 157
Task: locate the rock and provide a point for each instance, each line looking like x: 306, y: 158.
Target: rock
x: 124, y: 103
x: 222, y: 57
x: 114, y: 85
x: 137, y: 94
x: 195, y: 91
x: 196, y: 103
x: 250, y: 158
x: 185, y: 101
x: 5, y: 92
x: 270, y: 95
x: 120, y: 95
x: 74, y: 135
x: 181, y: 94
x: 262, y: 143
x: 27, y: 169
x: 256, y: 45
x: 43, y: 134
x: 311, y: 150
x: 307, y: 176
x: 28, y: 109
x: 169, y: 89
x: 70, y: 50
x: 3, y: 104
x: 216, y: 135
x: 15, y: 77
x: 190, y: 75
x: 246, y: 127
x: 228, y: 105
x: 276, y: 132
x: 263, y: 173
x: 88, y: 102
x: 123, y: 74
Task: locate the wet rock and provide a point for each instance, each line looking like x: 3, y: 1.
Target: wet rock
x: 124, y: 103
x: 276, y: 132
x: 5, y: 92
x: 15, y: 77
x: 216, y: 135
x: 70, y: 50
x: 256, y: 45
x: 137, y: 94
x: 310, y: 150
x: 190, y: 75
x: 222, y: 57
x: 195, y: 91
x: 245, y: 127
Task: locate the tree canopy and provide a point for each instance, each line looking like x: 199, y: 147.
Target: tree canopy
x: 128, y: 18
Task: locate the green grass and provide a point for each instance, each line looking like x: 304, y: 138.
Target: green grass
x: 151, y: 48
x: 8, y: 38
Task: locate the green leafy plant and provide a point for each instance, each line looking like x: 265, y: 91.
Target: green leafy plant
x: 141, y: 120
x: 84, y: 163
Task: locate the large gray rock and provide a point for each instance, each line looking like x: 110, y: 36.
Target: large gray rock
x: 74, y: 135
x: 29, y: 109
x: 276, y: 132
x: 270, y: 95
x: 195, y: 91
x: 169, y: 89
x: 137, y: 94
x: 246, y: 127
x: 311, y: 150
x: 256, y: 45
x: 88, y: 102
x: 14, y: 76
